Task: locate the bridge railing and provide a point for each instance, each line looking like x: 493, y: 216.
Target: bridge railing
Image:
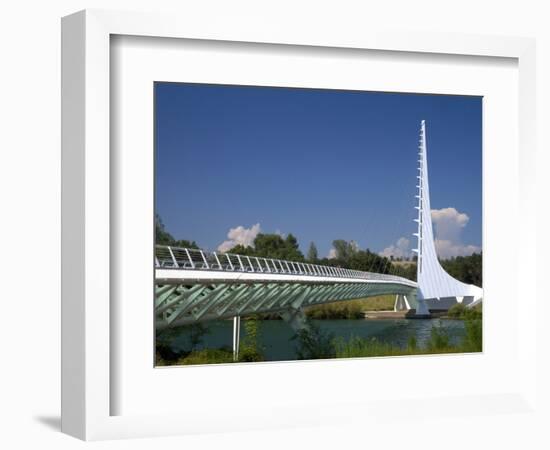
x: 168, y: 257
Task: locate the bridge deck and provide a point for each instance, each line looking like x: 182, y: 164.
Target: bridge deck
x: 194, y: 286
x: 185, y: 263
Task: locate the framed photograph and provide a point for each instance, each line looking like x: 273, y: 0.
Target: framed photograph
x: 257, y: 221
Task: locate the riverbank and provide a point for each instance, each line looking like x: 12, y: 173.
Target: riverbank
x: 381, y: 315
x: 353, y: 309
x: 275, y: 341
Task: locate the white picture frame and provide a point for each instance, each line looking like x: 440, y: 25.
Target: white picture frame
x: 87, y: 385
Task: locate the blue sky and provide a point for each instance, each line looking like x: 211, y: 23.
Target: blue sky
x: 320, y: 164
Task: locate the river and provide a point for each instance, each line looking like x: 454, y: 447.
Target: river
x: 275, y: 336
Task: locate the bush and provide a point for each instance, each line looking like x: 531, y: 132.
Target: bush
x: 341, y: 310
x: 475, y: 313
x: 165, y: 355
x: 207, y: 356
x: 314, y: 343
x: 461, y: 311
x: 250, y: 355
x: 473, y: 341
x: 250, y: 349
x: 439, y: 339
x: 456, y: 311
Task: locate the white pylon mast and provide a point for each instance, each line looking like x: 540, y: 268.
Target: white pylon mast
x: 419, y: 196
x: 434, y: 283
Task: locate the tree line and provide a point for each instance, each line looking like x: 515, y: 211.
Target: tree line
x: 162, y: 237
x: 346, y: 254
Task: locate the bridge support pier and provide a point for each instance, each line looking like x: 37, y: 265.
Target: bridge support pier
x: 236, y: 336
x: 401, y: 303
x: 422, y: 308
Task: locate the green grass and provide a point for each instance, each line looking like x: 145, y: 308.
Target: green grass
x: 439, y: 343
x: 352, y: 309
x: 363, y: 348
x: 380, y: 303
x: 207, y: 356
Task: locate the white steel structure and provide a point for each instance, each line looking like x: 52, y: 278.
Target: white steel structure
x: 194, y: 285
x: 436, y: 287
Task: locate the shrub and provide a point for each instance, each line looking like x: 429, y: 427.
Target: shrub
x: 473, y: 341
x: 207, y: 356
x: 461, y: 311
x: 456, y: 311
x: 165, y: 355
x: 341, y: 310
x: 314, y: 343
x: 250, y: 355
x: 475, y: 313
x: 250, y: 349
x: 439, y: 339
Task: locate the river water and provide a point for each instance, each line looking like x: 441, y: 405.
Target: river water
x: 275, y: 336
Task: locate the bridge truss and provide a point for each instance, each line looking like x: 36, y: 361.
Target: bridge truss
x: 193, y: 286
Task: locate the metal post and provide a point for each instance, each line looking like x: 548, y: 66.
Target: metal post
x: 250, y: 262
x: 204, y: 259
x: 173, y: 257
x: 236, y: 337
x: 218, y: 261
x: 229, y: 261
x: 190, y: 259
x: 240, y: 262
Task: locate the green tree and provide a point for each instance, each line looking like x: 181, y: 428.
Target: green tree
x: 240, y: 249
x: 314, y: 343
x: 250, y: 348
x: 312, y: 254
x: 467, y: 269
x: 439, y: 338
x: 344, y: 249
x: 269, y: 246
x: 272, y: 246
x: 162, y: 237
x: 292, y: 249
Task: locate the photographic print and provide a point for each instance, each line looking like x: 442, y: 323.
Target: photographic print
x: 301, y: 224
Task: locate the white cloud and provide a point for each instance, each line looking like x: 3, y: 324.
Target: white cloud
x: 240, y: 235
x: 448, y: 226
x: 401, y: 249
x: 446, y: 249
x: 331, y: 253
x: 449, y: 223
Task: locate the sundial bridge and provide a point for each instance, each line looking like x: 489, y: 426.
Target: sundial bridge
x: 196, y: 286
